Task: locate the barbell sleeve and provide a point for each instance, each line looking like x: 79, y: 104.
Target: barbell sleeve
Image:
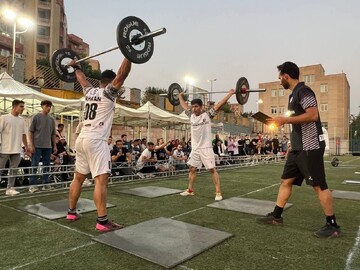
x: 138, y: 40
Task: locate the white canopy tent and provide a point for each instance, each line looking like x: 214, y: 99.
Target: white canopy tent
x: 146, y: 116
x: 11, y: 89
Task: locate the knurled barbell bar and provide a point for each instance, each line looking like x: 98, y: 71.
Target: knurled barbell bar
x: 134, y: 40
x: 242, y: 92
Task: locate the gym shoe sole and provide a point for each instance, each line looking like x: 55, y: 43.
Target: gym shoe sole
x: 108, y: 227
x: 328, y: 231
x: 269, y: 219
x: 73, y: 217
x: 187, y: 193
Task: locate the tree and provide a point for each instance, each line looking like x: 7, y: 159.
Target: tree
x: 43, y: 62
x: 152, y: 94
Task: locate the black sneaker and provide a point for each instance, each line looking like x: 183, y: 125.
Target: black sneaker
x: 270, y: 219
x: 328, y: 231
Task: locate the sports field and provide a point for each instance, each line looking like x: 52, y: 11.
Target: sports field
x: 31, y: 242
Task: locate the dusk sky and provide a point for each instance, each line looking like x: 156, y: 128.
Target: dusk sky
x: 228, y: 39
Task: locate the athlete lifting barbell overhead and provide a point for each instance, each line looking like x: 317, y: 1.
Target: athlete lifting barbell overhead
x: 201, y: 144
x: 92, y: 152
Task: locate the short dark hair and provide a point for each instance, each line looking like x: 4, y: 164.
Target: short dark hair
x: 150, y: 144
x: 289, y: 68
x: 16, y: 102
x: 197, y: 101
x: 124, y: 135
x: 46, y: 102
x: 60, y: 125
x: 108, y: 76
x: 119, y: 141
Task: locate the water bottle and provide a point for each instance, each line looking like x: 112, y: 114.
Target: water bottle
x: 61, y: 159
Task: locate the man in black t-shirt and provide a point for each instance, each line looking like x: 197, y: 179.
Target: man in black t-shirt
x: 306, y: 158
x: 121, y: 158
x: 275, y: 144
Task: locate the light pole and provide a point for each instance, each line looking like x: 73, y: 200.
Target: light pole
x: 12, y: 16
x: 211, y: 81
x: 259, y: 101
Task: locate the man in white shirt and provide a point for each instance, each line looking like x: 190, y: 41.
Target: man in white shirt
x: 146, y: 156
x: 179, y: 158
x: 201, y: 144
x: 92, y: 150
x: 13, y: 134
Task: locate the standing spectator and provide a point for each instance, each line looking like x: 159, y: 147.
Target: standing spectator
x: 306, y: 159
x: 92, y: 150
x: 126, y: 143
x: 202, y: 153
x: 143, y: 144
x: 217, y: 138
x: 241, y: 146
x: 43, y: 141
x: 284, y: 143
x: 275, y: 144
x: 248, y: 148
x: 60, y: 129
x: 12, y: 134
x: 231, y: 146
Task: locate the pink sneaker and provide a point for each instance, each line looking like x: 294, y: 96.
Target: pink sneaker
x: 109, y: 226
x: 73, y: 217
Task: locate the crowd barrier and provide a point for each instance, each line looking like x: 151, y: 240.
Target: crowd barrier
x: 60, y: 176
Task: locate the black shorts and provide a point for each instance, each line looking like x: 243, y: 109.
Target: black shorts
x: 308, y: 165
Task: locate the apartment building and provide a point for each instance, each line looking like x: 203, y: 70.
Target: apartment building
x: 333, y: 96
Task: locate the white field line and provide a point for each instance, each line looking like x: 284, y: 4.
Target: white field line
x: 54, y: 255
x: 251, y: 192
x: 47, y: 220
x: 352, y: 252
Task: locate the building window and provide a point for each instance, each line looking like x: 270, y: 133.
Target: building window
x: 309, y: 78
x: 325, y: 125
x: 323, y: 88
x: 281, y: 92
x: 281, y: 110
x: 273, y: 92
x: 273, y: 110
x: 323, y: 107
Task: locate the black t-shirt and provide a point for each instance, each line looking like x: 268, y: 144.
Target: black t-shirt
x: 275, y: 142
x: 161, y: 154
x: 121, y: 158
x: 60, y: 148
x: 241, y: 143
x: 305, y: 136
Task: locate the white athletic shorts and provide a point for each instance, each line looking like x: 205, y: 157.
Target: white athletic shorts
x: 92, y: 156
x: 202, y: 156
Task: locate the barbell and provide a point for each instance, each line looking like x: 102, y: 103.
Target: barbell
x: 242, y: 92
x: 134, y: 40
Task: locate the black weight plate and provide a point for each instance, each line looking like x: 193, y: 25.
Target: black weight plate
x: 173, y: 94
x: 59, y: 60
x: 241, y: 97
x: 127, y: 29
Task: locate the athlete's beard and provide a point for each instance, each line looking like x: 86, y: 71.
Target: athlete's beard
x: 285, y: 83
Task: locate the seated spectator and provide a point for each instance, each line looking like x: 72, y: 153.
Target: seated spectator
x: 146, y: 161
x: 65, y: 157
x: 161, y: 154
x: 110, y: 143
x: 179, y: 158
x: 268, y: 148
x: 136, y: 150
x: 121, y: 157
